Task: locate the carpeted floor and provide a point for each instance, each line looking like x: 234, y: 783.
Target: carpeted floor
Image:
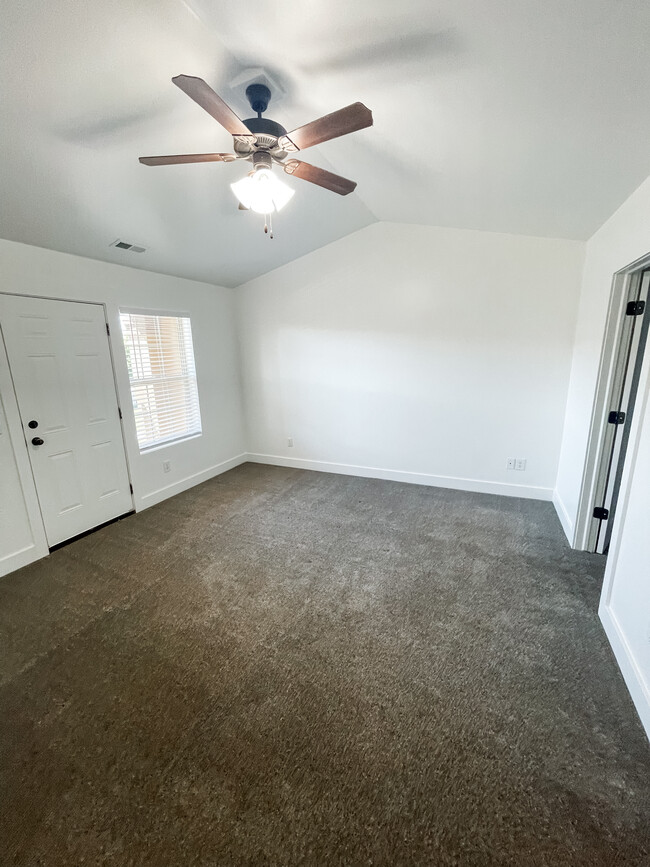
x: 281, y: 667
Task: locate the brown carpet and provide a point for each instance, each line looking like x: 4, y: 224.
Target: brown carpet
x: 281, y: 667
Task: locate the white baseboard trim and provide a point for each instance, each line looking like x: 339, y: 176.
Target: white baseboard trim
x: 529, y: 492
x: 178, y: 487
x: 637, y: 686
x: 565, y: 520
x: 17, y: 559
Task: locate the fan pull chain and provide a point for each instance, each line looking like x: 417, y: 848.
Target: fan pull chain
x: 268, y: 225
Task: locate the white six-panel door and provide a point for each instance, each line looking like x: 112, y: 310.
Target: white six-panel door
x: 63, y: 377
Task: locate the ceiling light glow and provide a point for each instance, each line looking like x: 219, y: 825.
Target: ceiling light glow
x: 262, y: 191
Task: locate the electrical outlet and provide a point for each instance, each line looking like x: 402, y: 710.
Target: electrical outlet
x: 290, y: 442
x: 520, y: 464
x: 510, y: 463
x: 167, y: 466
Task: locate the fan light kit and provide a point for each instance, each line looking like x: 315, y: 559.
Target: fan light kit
x: 264, y: 142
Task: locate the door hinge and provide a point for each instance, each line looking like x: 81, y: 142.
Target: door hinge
x: 120, y: 411
x: 131, y: 487
x: 108, y: 330
x: 616, y: 417
x: 634, y: 308
x: 601, y: 513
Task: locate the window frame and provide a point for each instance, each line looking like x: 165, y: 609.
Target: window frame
x: 142, y: 311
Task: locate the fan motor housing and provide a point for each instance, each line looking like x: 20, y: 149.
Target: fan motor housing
x: 265, y: 126
x: 266, y: 132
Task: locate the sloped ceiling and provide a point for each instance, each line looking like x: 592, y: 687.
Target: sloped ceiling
x: 526, y: 117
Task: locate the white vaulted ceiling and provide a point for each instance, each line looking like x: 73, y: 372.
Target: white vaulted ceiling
x: 522, y: 117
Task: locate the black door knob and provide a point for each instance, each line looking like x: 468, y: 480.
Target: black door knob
x: 32, y: 424
x: 37, y: 441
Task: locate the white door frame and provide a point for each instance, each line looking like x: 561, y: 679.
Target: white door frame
x: 17, y: 434
x: 598, y: 428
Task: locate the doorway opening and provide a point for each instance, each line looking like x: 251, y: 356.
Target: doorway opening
x: 626, y: 339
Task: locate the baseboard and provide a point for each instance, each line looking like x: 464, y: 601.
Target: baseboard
x: 504, y: 489
x: 565, y: 520
x: 178, y: 487
x: 637, y: 687
x: 17, y: 559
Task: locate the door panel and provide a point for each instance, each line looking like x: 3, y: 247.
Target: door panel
x: 628, y: 360
x: 93, y: 401
x: 61, y: 367
x: 106, y: 459
x: 49, y: 393
x: 65, y: 478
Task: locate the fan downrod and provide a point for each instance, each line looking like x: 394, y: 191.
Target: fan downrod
x: 259, y: 97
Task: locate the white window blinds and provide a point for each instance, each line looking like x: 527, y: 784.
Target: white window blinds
x: 160, y: 360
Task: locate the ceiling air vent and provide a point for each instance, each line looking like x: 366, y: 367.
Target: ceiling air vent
x: 124, y: 245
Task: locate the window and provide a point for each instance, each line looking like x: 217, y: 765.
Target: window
x: 160, y: 360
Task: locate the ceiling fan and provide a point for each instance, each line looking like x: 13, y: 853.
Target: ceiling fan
x: 264, y: 142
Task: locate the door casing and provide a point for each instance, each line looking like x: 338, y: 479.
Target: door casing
x: 622, y: 281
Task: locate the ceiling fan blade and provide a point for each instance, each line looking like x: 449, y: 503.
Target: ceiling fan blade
x: 314, y: 175
x: 204, y: 96
x: 341, y: 122
x: 176, y: 159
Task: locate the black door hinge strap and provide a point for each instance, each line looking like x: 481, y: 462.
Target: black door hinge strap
x: 634, y: 308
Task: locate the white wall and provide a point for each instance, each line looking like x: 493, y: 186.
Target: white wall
x: 625, y: 604
x: 623, y: 239
x: 416, y: 353
x: 35, y: 271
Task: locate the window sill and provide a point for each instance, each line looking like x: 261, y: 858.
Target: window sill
x: 158, y: 446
